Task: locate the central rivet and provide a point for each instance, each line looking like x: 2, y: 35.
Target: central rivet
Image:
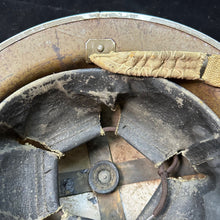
x: 103, y: 177
x: 100, y: 48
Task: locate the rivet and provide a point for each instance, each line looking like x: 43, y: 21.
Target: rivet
x: 100, y: 48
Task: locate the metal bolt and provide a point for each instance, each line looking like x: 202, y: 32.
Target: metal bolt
x: 104, y: 176
x: 100, y: 48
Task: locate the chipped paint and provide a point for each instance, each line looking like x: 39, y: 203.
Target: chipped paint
x: 179, y: 102
x: 135, y: 196
x: 81, y: 205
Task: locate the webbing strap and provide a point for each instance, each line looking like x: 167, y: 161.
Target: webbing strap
x: 166, y: 64
x: 212, y: 71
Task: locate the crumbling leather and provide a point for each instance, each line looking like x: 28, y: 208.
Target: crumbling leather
x: 27, y: 181
x: 158, y: 118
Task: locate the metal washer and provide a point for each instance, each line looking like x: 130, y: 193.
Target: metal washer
x: 103, y: 177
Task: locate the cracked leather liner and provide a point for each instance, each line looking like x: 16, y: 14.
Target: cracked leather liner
x: 164, y: 120
x: 28, y: 181
x: 62, y: 111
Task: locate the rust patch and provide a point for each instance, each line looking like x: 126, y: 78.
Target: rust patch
x: 110, y: 206
x: 122, y: 151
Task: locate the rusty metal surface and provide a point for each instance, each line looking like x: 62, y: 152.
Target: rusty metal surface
x: 60, y: 45
x: 138, y: 180
x: 110, y: 205
x: 122, y: 151
x: 135, y: 171
x: 208, y: 94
